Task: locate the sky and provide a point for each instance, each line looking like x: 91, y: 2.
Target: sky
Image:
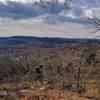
x: 24, y: 18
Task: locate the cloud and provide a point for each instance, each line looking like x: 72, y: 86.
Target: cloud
x: 20, y: 18
x: 31, y: 28
x: 16, y: 10
x: 20, y: 10
x: 25, y: 10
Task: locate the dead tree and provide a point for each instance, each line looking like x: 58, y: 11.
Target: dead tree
x: 96, y: 22
x: 17, y: 65
x: 52, y: 3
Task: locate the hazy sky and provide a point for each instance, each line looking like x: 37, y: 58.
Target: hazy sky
x: 20, y: 17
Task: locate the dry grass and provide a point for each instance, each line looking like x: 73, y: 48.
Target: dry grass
x: 51, y: 95
x: 43, y: 93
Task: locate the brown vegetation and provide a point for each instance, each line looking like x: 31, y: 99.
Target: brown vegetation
x: 72, y: 68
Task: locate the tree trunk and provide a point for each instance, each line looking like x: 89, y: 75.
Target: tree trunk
x: 78, y: 80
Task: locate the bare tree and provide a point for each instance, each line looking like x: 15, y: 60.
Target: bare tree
x: 96, y: 22
x: 52, y: 3
x: 81, y: 69
x: 66, y: 3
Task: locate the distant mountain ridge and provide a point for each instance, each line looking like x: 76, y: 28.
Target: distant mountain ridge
x: 16, y: 40
x: 9, y: 43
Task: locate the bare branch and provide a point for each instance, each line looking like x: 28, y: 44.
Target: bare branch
x: 96, y: 22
